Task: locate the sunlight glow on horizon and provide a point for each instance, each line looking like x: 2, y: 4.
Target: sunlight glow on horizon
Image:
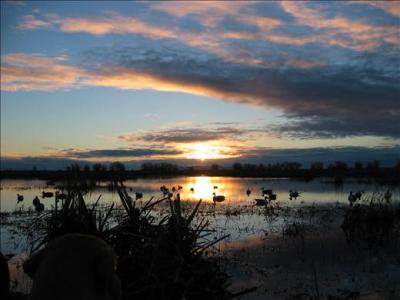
x: 205, y: 151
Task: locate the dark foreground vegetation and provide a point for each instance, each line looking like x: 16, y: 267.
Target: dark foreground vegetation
x: 371, y: 171
x: 375, y: 222
x: 158, y: 258
x: 318, y: 252
x: 163, y: 245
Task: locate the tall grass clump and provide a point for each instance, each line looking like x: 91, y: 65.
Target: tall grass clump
x: 159, y: 257
x: 375, y: 221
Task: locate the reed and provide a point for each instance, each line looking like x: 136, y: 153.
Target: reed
x: 158, y: 258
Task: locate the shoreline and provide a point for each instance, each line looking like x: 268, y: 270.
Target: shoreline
x: 383, y: 175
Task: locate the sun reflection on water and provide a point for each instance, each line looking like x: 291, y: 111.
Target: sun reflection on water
x: 203, y: 188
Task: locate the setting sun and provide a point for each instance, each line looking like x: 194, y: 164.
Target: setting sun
x: 203, y: 151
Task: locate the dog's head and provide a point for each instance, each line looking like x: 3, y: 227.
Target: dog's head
x: 99, y: 256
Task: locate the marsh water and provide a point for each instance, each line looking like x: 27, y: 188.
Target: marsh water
x: 319, y: 191
x: 248, y: 222
x: 257, y: 251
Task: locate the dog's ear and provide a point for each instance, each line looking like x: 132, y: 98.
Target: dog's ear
x: 32, y: 264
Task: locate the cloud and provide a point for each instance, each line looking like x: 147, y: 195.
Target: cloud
x: 365, y: 92
x: 187, y: 135
x: 30, y: 22
x: 342, y: 31
x: 388, y: 156
x: 335, y: 75
x: 21, y: 71
x: 208, y: 13
x: 357, y: 96
x: 325, y: 127
x: 336, y: 31
x: 118, y: 153
x: 116, y: 25
x: 391, y: 7
x: 234, y: 43
x: 111, y: 24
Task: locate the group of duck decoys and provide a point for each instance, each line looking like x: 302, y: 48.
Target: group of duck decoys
x: 169, y: 193
x: 353, y: 197
x: 39, y: 206
x: 268, y: 196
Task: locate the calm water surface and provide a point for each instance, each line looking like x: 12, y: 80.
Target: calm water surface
x: 234, y: 189
x: 248, y: 230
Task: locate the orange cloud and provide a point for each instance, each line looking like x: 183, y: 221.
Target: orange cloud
x: 30, y: 22
x: 208, y: 13
x: 263, y: 23
x: 361, y: 36
x: 113, y: 24
x: 33, y: 72
x: 391, y: 6
x: 127, y: 79
x: 116, y: 24
x: 338, y: 31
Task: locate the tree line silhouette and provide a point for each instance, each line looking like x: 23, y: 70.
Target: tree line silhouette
x: 100, y: 171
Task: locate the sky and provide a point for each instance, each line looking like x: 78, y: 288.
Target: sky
x: 199, y: 81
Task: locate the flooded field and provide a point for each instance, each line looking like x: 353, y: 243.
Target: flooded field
x: 249, y: 220
x: 319, y: 191
x: 288, y: 249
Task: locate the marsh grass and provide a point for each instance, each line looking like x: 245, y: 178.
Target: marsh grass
x: 375, y: 222
x: 158, y: 257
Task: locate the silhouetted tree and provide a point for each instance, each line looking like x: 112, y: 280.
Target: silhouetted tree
x: 317, y: 166
x: 340, y: 165
x: 162, y: 168
x: 117, y: 167
x: 358, y: 166
x: 99, y: 168
x: 375, y: 164
x: 214, y: 167
x: 237, y: 166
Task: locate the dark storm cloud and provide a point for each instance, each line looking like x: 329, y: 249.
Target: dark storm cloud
x: 110, y: 153
x: 321, y: 127
x: 186, y: 135
x: 360, y: 97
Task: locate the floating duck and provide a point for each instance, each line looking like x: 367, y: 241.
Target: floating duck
x: 218, y: 198
x: 248, y: 192
x: 47, y: 194
x: 20, y: 198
